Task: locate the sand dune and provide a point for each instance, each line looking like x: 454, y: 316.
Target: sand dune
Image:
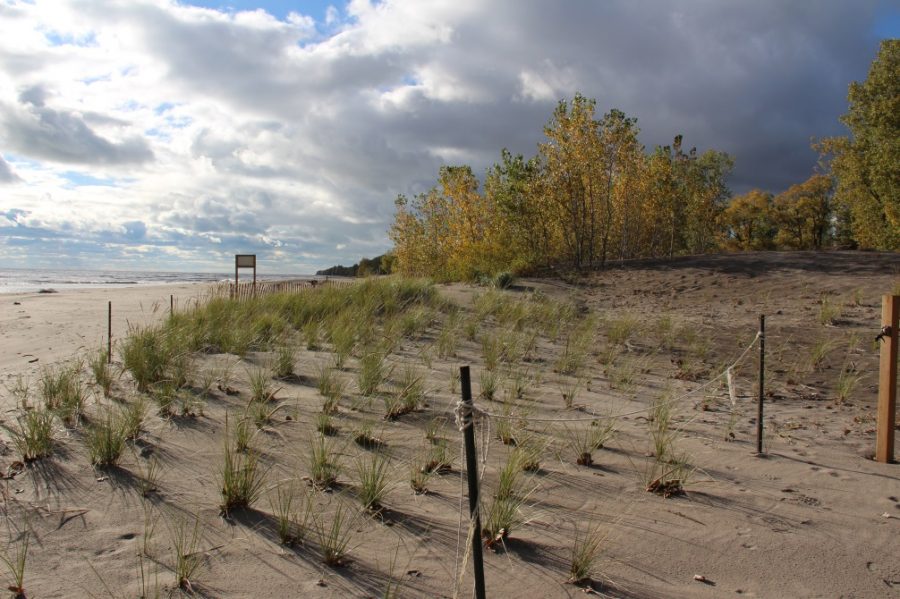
x: 814, y: 518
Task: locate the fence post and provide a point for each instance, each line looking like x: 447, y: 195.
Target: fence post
x: 762, y: 384
x: 472, y: 476
x: 887, y: 380
x: 109, y: 335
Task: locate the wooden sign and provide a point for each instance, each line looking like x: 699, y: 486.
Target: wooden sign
x: 245, y: 260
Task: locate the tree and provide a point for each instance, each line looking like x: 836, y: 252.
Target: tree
x: 747, y: 222
x: 867, y: 164
x: 803, y: 214
x: 512, y: 186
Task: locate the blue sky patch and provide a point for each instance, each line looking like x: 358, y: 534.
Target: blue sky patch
x: 77, y: 179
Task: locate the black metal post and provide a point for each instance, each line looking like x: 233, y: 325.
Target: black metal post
x: 472, y: 476
x: 109, y: 335
x: 762, y: 383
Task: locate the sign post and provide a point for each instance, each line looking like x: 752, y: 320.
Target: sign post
x: 887, y: 383
x: 244, y: 261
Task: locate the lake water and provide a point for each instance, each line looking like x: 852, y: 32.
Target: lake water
x: 16, y: 280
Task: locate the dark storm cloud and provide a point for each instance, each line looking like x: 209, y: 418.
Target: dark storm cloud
x: 755, y: 79
x: 33, y: 128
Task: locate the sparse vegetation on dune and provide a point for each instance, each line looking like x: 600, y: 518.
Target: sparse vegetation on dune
x: 294, y: 391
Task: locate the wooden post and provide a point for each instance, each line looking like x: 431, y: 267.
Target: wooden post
x: 109, y: 335
x: 762, y: 384
x: 887, y: 379
x: 171, y: 304
x: 472, y: 476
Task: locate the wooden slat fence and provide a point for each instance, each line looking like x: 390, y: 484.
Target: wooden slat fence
x: 249, y: 290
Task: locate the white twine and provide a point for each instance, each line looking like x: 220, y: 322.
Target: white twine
x: 732, y: 394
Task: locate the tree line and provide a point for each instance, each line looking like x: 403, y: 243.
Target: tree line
x: 593, y: 194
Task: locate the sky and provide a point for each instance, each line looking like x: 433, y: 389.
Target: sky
x: 164, y: 135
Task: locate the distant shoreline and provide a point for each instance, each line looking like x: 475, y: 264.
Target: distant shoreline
x: 16, y: 280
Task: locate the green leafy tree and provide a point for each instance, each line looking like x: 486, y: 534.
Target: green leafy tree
x: 867, y: 164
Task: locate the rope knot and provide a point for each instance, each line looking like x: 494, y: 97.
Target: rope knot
x: 463, y: 413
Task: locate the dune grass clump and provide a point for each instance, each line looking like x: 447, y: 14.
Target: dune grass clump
x: 410, y: 394
x: 502, y: 516
x: 312, y: 332
x: 241, y: 477
x: 372, y: 372
x: 662, y: 436
x: 668, y: 479
x: 372, y: 473
x: 332, y: 387
x: 420, y: 474
x: 490, y: 351
x: 509, y: 479
x: 846, y: 383
x: 100, y: 368
x: 16, y: 563
x: 147, y: 355
x: 448, y: 337
x: 149, y: 476
x: 292, y: 510
x: 105, y: 439
x: 830, y: 311
x: 34, y: 436
x: 528, y: 452
x: 569, y: 390
x: 262, y: 413
x: 619, y: 330
x: 342, y: 335
x: 577, y: 346
x: 283, y: 363
x: 821, y: 349
x: 244, y: 433
x: 322, y: 462
x: 589, y: 439
x: 325, y: 424
x: 509, y: 424
x: 586, y: 549
x: 365, y: 438
x: 187, y: 557
x: 63, y: 392
x: 261, y: 389
x: 334, y: 540
x: 133, y: 415
x: 439, y: 459
x: 489, y: 384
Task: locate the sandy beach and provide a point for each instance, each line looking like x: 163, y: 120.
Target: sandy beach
x: 44, y: 328
x: 815, y: 517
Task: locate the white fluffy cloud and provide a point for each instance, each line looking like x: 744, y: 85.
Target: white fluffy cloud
x: 148, y: 133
